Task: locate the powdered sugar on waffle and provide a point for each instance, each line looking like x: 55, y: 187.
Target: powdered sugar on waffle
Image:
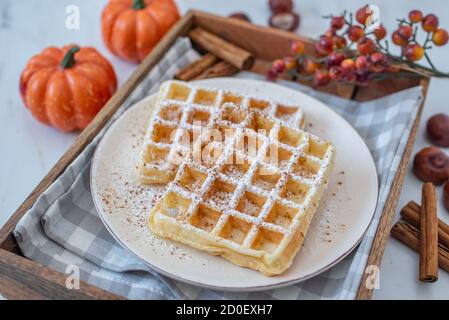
x: 178, y: 110
x: 227, y: 201
x: 132, y: 139
x: 124, y: 197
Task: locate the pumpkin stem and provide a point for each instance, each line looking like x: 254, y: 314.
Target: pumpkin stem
x: 138, y: 4
x: 69, y: 59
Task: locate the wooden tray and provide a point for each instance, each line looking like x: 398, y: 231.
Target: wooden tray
x: 21, y: 278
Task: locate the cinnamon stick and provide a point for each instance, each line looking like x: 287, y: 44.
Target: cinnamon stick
x: 411, y: 212
x: 428, y: 235
x: 223, y: 49
x: 197, y: 67
x: 220, y: 69
x: 409, y: 235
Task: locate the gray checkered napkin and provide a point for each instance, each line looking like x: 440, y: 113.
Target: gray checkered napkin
x: 63, y: 227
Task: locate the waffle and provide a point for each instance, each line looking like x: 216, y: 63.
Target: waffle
x: 242, y: 205
x: 185, y: 107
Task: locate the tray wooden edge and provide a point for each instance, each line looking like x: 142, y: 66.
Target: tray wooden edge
x: 25, y: 279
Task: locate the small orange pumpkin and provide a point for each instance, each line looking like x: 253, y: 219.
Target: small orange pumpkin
x: 131, y: 28
x: 67, y: 87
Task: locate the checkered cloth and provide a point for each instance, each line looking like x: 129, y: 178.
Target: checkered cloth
x: 63, y: 227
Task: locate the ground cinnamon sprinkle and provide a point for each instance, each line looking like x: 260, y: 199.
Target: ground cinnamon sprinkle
x: 221, y: 197
x: 125, y: 197
x: 266, y: 185
x: 250, y: 207
x: 234, y: 172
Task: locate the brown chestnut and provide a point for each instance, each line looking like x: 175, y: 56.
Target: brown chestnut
x: 240, y: 15
x: 284, y: 21
x: 446, y: 196
x: 431, y: 165
x: 281, y: 6
x: 438, y: 129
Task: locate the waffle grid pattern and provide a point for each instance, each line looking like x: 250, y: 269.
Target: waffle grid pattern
x: 181, y: 109
x: 252, y: 204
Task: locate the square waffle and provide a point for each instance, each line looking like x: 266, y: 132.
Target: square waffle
x: 252, y: 206
x: 181, y: 111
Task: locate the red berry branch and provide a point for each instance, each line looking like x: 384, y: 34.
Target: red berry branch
x: 349, y: 52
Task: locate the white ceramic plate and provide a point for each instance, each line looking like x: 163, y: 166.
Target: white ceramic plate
x: 338, y: 226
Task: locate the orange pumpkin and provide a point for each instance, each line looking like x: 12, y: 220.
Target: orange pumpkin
x: 67, y: 87
x: 131, y: 28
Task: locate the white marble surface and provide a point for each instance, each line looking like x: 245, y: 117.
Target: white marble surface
x: 29, y: 149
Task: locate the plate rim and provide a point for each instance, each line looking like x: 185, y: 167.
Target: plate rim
x: 202, y: 284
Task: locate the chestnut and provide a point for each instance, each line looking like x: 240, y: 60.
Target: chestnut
x: 446, y: 196
x: 431, y: 165
x: 285, y: 21
x: 438, y: 129
x: 281, y: 6
x: 240, y: 15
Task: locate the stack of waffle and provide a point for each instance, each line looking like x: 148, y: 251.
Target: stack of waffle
x: 244, y: 181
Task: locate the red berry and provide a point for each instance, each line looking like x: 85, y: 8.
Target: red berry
x: 405, y: 32
x: 349, y: 76
x: 337, y: 22
x: 362, y: 14
x: 348, y: 66
x: 362, y: 63
x: 398, y: 39
x: 329, y: 33
x: 413, y: 52
x: 380, y: 32
x: 281, y: 6
x: 272, y: 75
x: 297, y: 47
x: 321, y: 78
x: 366, y: 46
x: 415, y: 16
x: 340, y: 42
x: 379, y: 62
x: 290, y: 63
x: 327, y: 43
x: 363, y: 78
x: 278, y: 66
x: 440, y: 37
x: 320, y: 51
x: 335, y: 73
x: 324, y: 46
x: 377, y: 58
x: 309, y: 66
x: 430, y: 23
x: 355, y: 33
x: 348, y: 70
x: 335, y: 59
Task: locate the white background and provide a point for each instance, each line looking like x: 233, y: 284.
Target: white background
x: 28, y: 149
